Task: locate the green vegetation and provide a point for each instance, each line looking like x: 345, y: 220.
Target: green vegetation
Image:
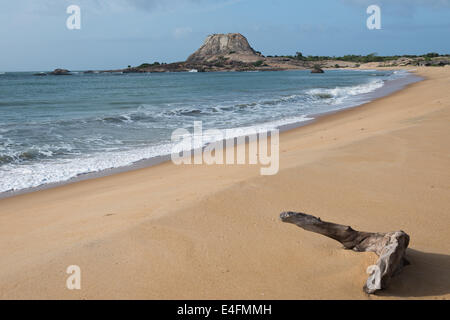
x: 220, y: 62
x: 299, y: 56
x: 431, y: 55
x: 373, y: 57
x: 148, y: 65
x: 144, y: 65
x: 258, y: 63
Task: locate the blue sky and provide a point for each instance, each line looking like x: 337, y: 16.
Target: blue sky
x: 117, y: 33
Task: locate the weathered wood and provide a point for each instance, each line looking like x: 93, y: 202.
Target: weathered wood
x: 390, y: 247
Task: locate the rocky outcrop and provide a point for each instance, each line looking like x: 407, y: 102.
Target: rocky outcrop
x: 56, y: 72
x: 223, y: 45
x: 317, y: 69
x: 60, y: 72
x: 222, y: 52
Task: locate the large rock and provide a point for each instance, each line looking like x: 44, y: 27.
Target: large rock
x: 60, y: 72
x: 220, y: 45
x: 317, y: 69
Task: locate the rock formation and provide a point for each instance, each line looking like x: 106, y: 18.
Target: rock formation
x: 317, y: 69
x: 60, y: 72
x: 232, y: 46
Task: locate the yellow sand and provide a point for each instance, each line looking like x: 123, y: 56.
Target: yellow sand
x: 212, y: 232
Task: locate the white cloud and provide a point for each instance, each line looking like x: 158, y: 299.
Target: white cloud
x: 182, y: 32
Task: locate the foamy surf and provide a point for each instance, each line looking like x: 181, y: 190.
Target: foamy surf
x: 16, y: 177
x: 345, y: 92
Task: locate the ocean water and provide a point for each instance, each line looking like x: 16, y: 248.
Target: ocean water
x: 55, y: 128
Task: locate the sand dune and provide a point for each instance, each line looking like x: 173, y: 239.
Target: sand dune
x: 212, y: 232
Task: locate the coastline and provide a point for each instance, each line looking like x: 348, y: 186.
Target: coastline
x: 388, y: 88
x: 173, y: 232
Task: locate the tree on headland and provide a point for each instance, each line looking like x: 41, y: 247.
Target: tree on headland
x: 299, y: 56
x: 148, y: 65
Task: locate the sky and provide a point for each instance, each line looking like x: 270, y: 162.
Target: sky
x: 118, y: 33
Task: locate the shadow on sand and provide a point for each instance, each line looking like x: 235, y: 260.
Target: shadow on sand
x: 428, y: 275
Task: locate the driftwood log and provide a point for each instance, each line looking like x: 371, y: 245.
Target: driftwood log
x: 390, y: 247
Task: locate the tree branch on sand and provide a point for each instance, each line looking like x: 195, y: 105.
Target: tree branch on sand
x: 390, y: 247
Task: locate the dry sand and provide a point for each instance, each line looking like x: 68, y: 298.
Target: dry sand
x: 212, y: 232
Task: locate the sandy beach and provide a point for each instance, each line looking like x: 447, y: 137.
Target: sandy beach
x: 213, y: 232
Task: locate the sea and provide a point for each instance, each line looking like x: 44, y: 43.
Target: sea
x: 56, y: 128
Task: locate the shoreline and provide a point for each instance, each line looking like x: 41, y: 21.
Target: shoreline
x: 213, y: 232
x: 386, y: 90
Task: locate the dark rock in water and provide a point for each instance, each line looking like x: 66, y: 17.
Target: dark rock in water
x: 317, y: 70
x: 60, y: 72
x: 88, y: 72
x: 40, y: 74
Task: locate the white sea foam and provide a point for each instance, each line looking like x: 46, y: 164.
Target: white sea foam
x: 16, y: 177
x: 344, y: 92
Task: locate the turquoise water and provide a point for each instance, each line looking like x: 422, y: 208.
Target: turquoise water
x: 54, y: 128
